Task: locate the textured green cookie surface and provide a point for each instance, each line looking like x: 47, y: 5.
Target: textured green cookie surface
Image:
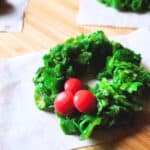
x: 128, y: 5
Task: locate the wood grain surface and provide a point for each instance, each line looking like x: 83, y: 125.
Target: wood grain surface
x: 49, y: 22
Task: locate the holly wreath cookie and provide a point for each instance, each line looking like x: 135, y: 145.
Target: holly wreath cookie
x: 128, y: 5
x: 120, y: 80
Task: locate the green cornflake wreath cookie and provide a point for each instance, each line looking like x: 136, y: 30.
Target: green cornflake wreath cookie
x: 128, y: 5
x: 121, y: 81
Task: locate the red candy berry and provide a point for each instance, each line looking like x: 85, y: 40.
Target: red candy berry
x: 63, y: 103
x: 73, y: 85
x: 85, y: 101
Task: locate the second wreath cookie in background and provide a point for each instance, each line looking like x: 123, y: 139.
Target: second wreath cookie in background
x: 128, y: 5
x: 121, y: 13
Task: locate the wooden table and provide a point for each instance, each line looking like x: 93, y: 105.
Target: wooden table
x: 49, y: 22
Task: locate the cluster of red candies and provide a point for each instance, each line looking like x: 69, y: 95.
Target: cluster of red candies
x: 74, y: 97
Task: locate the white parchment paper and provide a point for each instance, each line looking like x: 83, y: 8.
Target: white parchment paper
x: 12, y: 15
x: 23, y: 126
x: 92, y: 12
